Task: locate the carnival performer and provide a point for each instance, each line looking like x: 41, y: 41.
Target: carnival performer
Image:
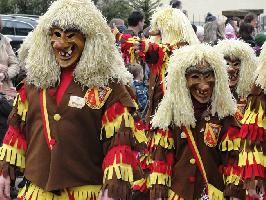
x: 170, y: 29
x: 253, y: 135
x: 194, y: 121
x: 73, y: 129
x: 241, y: 66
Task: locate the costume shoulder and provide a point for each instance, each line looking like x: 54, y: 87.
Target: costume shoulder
x: 230, y: 122
x: 122, y: 93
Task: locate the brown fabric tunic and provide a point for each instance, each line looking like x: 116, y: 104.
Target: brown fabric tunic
x: 76, y: 158
x: 187, y: 180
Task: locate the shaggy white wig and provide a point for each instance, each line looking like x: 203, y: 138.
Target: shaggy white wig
x: 176, y: 106
x: 174, y: 27
x: 261, y: 70
x: 23, y: 51
x: 100, y: 60
x: 237, y: 49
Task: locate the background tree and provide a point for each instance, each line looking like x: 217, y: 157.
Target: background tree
x: 114, y: 8
x: 146, y: 6
x: 30, y: 7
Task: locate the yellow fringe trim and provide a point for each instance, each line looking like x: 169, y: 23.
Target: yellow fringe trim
x: 158, y: 178
x: 163, y: 141
x: 12, y: 155
x: 250, y: 117
x: 113, y: 127
x: 214, y: 193
x: 140, y: 136
x: 133, y: 57
x: 232, y: 179
x: 229, y: 145
x: 147, y: 158
x: 80, y: 193
x: 121, y: 170
x: 250, y: 156
x: 22, y: 107
x: 139, y: 182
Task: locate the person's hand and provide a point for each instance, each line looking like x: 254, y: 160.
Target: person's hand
x: 114, y: 29
x: 4, y: 187
x: 2, y: 76
x: 3, y: 68
x: 104, y: 195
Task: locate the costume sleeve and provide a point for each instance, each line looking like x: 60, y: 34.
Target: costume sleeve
x: 14, y: 143
x: 161, y: 146
x: 230, y: 147
x: 122, y: 134
x: 252, y: 157
x: 155, y: 55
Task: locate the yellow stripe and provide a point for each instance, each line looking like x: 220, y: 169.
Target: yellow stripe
x: 46, y: 116
x: 198, y: 154
x: 96, y: 94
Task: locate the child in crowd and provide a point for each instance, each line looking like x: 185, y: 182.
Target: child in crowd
x: 141, y: 89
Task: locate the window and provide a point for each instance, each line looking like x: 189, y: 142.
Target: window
x: 22, y: 28
x: 8, y: 27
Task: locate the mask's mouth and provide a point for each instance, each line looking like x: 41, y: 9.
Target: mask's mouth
x: 234, y: 76
x: 66, y: 54
x: 202, y: 93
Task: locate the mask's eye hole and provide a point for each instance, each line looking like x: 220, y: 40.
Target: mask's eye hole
x: 71, y: 35
x: 208, y: 75
x: 236, y: 64
x: 195, y: 76
x: 58, y: 34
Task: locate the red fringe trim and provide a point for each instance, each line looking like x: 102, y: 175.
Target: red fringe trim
x: 161, y: 167
x: 253, y: 132
x: 22, y: 94
x: 125, y: 46
x: 232, y: 170
x: 140, y: 188
x: 253, y: 170
x: 12, y: 136
x: 128, y: 157
x: 153, y: 47
x: 112, y: 112
x: 232, y: 133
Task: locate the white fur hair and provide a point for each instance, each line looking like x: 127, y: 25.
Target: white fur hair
x: 173, y: 25
x: 100, y: 61
x: 237, y: 49
x: 261, y: 70
x: 176, y: 106
x: 23, y: 51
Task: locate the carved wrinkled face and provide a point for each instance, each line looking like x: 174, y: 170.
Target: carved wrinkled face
x: 233, y: 70
x: 200, y: 82
x: 67, y: 45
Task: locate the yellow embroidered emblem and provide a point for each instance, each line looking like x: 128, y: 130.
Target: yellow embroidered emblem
x: 211, y: 134
x: 95, y: 97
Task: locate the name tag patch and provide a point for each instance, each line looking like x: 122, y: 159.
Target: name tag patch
x: 76, y: 102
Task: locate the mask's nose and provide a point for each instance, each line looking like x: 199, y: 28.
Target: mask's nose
x: 60, y: 45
